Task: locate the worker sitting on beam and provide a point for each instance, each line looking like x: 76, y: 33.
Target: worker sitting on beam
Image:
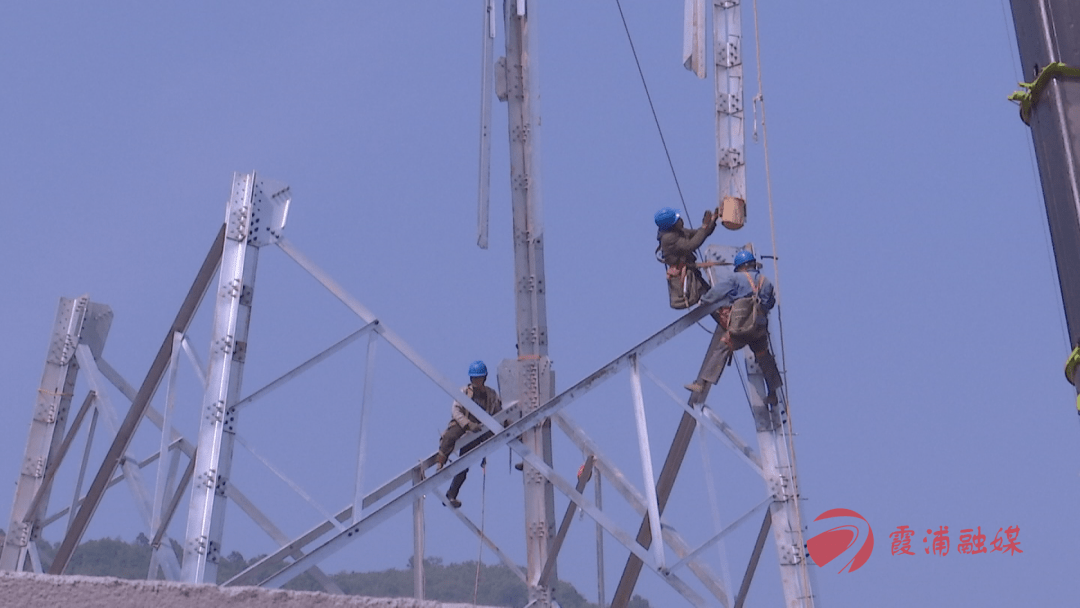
x: 462, y: 422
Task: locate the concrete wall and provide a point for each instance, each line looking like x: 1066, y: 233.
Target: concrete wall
x: 26, y: 590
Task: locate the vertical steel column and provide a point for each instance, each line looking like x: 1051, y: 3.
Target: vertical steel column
x: 74, y: 318
x: 255, y: 216
x: 139, y: 406
x: 537, y: 379
x: 599, y: 497
x: 487, y: 87
x: 361, y: 450
x: 652, y: 509
x: 418, y: 536
x: 730, y: 138
x: 165, y: 469
x: 694, y: 37
x: 778, y: 467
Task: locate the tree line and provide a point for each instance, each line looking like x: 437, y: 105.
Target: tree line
x: 498, y: 585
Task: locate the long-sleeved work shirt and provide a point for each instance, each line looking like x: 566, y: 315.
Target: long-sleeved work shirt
x: 486, y: 398
x: 737, y: 286
x: 677, y: 246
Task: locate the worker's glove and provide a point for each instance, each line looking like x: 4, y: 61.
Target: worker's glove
x: 709, y: 218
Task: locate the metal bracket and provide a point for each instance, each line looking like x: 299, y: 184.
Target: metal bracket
x: 731, y: 158
x: 730, y: 53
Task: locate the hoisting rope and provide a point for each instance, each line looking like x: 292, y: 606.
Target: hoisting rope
x: 1029, y: 96
x: 779, y: 317
x: 655, y: 117
x: 483, y: 511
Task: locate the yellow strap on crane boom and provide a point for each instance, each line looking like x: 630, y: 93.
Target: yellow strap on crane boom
x: 1029, y: 96
x: 1070, y: 372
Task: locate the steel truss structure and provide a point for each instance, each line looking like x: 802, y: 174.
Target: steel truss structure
x: 199, y: 468
x: 76, y: 346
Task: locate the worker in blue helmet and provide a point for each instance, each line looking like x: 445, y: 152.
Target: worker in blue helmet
x: 676, y: 249
x: 462, y: 422
x: 740, y: 291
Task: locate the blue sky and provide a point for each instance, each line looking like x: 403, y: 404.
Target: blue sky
x: 922, y: 318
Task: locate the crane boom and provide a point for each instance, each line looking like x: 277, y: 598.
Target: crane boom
x: 1049, y: 54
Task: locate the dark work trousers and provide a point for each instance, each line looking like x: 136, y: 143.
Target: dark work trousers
x: 716, y: 358
x: 459, y: 479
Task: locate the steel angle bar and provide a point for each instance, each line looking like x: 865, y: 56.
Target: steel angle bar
x: 247, y: 576
x: 35, y: 557
x: 232, y: 491
x: 174, y: 502
x: 487, y: 90
x: 366, y: 315
x: 51, y: 408
x: 306, y: 365
x: 160, y: 483
x: 278, y: 536
x: 144, y: 501
x: 645, y: 452
x: 196, y: 363
x: 664, y: 485
x: 368, y: 521
x: 403, y: 500
x: 138, y: 407
x: 708, y: 418
x: 500, y: 439
x: 295, y: 487
x: 503, y: 557
x: 152, y: 414
x: 537, y: 415
x: 76, y: 496
x: 50, y: 473
x: 163, y: 523
x: 564, y: 527
x: 714, y: 501
x: 636, y: 501
x: 720, y: 535
x: 759, y: 544
x: 599, y: 494
x: 119, y: 477
x: 361, y: 449
x: 618, y: 533
x: 418, y: 540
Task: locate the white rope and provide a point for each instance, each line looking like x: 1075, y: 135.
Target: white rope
x: 779, y: 318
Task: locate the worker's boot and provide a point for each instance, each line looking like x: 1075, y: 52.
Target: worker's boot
x: 455, y: 486
x: 440, y: 461
x: 699, y: 390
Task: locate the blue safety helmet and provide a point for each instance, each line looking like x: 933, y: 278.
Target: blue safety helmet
x: 666, y: 218
x: 477, y: 369
x: 743, y: 256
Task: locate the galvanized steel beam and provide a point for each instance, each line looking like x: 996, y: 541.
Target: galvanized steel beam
x: 138, y: 408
